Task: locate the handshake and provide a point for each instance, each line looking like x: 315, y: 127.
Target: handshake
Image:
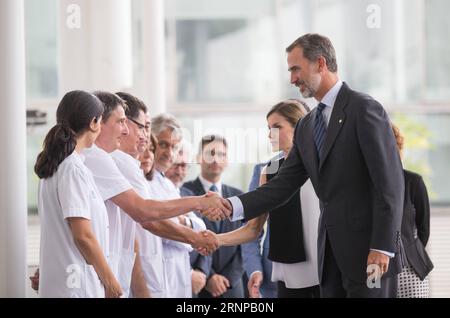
x: 215, y: 208
x: 206, y: 242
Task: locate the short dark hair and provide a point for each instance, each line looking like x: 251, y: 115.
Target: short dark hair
x: 206, y: 140
x: 110, y: 103
x: 314, y: 46
x: 134, y: 105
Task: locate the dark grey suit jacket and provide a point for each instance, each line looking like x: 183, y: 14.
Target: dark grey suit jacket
x: 359, y: 182
x: 227, y: 260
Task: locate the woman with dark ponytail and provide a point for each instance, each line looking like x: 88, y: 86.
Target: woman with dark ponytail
x: 74, y: 221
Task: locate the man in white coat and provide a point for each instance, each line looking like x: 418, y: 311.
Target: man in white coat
x: 176, y: 259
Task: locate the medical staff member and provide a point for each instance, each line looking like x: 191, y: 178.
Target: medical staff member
x: 74, y: 222
x: 119, y: 194
x: 126, y: 159
x: 177, y: 267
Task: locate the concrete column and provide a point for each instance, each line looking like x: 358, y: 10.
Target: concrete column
x: 13, y: 182
x: 95, y: 45
x: 154, y: 61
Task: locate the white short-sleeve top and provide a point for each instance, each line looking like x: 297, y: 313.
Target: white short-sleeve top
x: 70, y: 193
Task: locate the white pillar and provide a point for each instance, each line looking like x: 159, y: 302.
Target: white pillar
x: 154, y: 61
x: 95, y: 45
x: 111, y: 44
x: 13, y: 189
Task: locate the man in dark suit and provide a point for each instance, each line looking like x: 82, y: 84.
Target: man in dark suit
x: 225, y: 269
x: 347, y: 148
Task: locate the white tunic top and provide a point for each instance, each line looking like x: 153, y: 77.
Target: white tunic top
x: 70, y: 193
x: 177, y: 267
x: 111, y: 182
x: 304, y: 274
x: 130, y: 169
x: 151, y: 252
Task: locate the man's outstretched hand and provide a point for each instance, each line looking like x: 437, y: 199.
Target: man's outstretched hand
x: 214, y: 207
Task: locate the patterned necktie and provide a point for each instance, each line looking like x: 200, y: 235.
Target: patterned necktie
x: 217, y: 224
x: 320, y: 128
x: 214, y: 188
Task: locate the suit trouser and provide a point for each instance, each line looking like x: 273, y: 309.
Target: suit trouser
x: 336, y: 285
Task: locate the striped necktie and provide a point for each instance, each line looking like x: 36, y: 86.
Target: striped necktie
x: 320, y: 129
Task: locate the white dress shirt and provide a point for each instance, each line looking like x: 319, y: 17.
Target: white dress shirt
x: 329, y: 100
x: 207, y: 185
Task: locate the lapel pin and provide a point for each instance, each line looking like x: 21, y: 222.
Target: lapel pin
x: 340, y: 121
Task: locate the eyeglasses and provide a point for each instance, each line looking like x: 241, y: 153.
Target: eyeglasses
x: 141, y: 126
x: 180, y: 165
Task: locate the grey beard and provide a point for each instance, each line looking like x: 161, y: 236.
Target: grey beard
x: 307, y: 93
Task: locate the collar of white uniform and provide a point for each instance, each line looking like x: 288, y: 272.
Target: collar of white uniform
x: 97, y: 148
x: 78, y: 156
x: 129, y: 158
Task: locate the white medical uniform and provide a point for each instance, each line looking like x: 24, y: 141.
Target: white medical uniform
x: 151, y: 252
x: 177, y: 266
x: 130, y: 169
x: 111, y: 182
x: 70, y: 193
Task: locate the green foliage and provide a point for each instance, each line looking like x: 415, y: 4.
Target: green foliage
x: 418, y: 141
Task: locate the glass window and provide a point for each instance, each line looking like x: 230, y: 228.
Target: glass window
x: 35, y: 138
x: 427, y: 151
x: 41, y: 48
x: 437, y: 50
x: 226, y: 52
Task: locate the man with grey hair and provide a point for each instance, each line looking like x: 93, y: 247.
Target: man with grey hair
x: 347, y: 148
x: 177, y: 173
x: 180, y: 233
x: 179, y: 170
